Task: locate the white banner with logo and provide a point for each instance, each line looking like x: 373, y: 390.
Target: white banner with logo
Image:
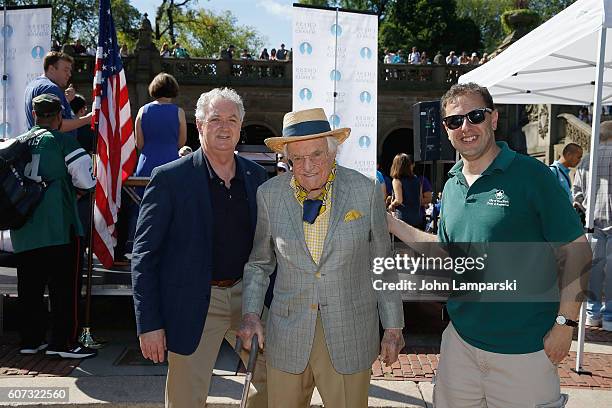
x: 25, y: 39
x: 337, y: 52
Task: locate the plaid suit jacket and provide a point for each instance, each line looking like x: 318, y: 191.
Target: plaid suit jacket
x: 340, y: 285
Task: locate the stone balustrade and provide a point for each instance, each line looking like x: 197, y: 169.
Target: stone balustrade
x: 206, y: 71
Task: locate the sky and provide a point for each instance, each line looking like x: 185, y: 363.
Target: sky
x: 271, y: 18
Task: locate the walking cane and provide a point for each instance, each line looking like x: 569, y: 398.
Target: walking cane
x: 250, y: 368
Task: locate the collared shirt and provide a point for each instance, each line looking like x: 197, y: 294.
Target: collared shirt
x: 232, y: 232
x: 563, y: 176
x: 315, y: 233
x: 603, y: 199
x: 514, y: 201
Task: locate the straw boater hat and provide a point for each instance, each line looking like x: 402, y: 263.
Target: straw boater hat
x: 305, y: 125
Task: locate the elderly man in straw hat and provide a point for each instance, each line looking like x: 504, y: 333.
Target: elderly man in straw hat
x: 321, y: 225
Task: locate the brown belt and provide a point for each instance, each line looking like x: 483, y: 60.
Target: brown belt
x: 226, y: 283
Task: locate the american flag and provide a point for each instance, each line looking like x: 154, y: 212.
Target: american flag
x: 116, y: 147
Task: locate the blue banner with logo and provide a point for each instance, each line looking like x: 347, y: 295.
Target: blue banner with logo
x: 25, y: 39
x: 335, y: 68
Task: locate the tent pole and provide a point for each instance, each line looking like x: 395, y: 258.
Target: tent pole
x: 591, y: 183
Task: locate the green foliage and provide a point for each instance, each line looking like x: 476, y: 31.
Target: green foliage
x: 522, y: 19
x: 201, y: 32
x: 548, y: 8
x: 487, y: 16
x: 429, y: 25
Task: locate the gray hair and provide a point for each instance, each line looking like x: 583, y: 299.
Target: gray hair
x: 332, y: 146
x: 207, y: 98
x: 605, y: 131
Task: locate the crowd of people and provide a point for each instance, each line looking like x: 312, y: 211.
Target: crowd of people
x: 422, y: 58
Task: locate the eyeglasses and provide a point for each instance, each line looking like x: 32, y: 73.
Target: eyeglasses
x: 474, y: 117
x: 317, y: 158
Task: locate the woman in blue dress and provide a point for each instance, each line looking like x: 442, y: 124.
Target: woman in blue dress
x: 411, y: 194
x: 161, y: 128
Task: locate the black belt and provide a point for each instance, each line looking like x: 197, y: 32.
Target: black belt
x: 225, y: 283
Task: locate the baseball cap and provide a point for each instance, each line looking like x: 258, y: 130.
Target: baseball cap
x: 47, y: 105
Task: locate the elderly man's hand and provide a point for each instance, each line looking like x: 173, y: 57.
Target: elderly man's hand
x: 153, y: 345
x: 391, y: 344
x: 251, y: 325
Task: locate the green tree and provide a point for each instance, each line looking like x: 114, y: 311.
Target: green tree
x: 548, y: 8
x: 429, y: 25
x: 486, y: 14
x: 201, y: 32
x: 166, y: 15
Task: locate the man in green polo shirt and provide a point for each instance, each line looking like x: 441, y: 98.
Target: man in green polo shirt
x: 504, y: 353
x: 47, y: 245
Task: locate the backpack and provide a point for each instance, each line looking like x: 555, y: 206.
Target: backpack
x: 19, y: 195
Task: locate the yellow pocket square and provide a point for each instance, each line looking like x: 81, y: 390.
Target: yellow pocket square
x: 352, y: 215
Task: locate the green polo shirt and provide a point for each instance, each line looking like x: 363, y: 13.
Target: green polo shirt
x: 516, y: 200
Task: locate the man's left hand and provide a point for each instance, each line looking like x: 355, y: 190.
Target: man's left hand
x: 390, y: 346
x: 557, y: 343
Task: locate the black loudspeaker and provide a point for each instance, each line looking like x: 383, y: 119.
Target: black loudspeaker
x: 430, y: 139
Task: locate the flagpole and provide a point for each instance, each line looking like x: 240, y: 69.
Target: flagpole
x: 86, y: 338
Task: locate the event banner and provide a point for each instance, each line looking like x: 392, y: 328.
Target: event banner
x: 25, y: 39
x: 335, y: 68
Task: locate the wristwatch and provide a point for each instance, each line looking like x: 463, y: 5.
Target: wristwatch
x: 564, y: 321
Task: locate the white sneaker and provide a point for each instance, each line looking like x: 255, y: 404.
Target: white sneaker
x: 32, y: 350
x: 593, y: 321
x: 76, y: 352
x: 607, y: 325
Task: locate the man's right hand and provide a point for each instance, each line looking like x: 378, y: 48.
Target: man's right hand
x: 251, y: 325
x: 153, y: 345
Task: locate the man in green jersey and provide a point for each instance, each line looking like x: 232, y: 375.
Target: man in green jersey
x: 47, y: 245
x: 504, y: 353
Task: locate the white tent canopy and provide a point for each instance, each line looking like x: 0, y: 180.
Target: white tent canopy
x: 555, y: 63
x: 562, y: 62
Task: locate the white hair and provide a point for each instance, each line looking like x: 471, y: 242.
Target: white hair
x: 332, y: 146
x: 207, y: 98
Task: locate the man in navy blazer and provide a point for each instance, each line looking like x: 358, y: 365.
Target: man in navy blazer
x: 194, y: 234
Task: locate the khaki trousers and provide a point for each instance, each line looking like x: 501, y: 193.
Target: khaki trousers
x: 188, y: 380
x: 286, y: 390
x: 468, y: 377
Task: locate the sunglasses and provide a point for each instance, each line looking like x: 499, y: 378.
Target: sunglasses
x: 474, y: 117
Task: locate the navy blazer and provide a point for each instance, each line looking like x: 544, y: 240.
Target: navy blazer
x: 172, y: 254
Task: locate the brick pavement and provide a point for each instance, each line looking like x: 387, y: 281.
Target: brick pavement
x: 416, y: 364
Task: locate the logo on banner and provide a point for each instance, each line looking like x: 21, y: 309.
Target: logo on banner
x: 334, y: 120
x: 364, y: 121
x: 339, y: 98
x: 304, y: 27
x: 365, y: 97
x: 335, y: 75
x: 10, y: 54
x: 30, y: 76
x: 305, y: 48
x: 5, y: 129
x: 336, y: 30
x: 305, y: 94
x: 365, y: 77
x: 38, y: 52
x: 307, y: 73
x: 365, y: 142
x: 365, y: 53
x: 39, y: 30
x: 7, y: 31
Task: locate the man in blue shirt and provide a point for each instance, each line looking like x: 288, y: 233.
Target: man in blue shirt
x: 570, y: 157
x: 58, y: 70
